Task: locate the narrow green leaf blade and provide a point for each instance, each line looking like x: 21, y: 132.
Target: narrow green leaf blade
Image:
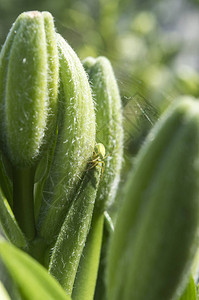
x: 7, y: 283
x: 5, y: 182
x: 3, y: 293
x: 108, y: 230
x: 32, y: 279
x: 190, y: 291
x: 72, y: 237
x: 9, y: 224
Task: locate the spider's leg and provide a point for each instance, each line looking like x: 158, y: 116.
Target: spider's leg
x: 107, y: 155
x: 103, y: 167
x: 94, y: 159
x: 93, y: 165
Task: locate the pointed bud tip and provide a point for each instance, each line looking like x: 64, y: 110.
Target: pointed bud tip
x: 30, y: 14
x: 34, y: 14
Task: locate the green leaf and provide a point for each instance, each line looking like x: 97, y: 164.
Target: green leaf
x: 5, y: 182
x: 32, y: 279
x: 3, y: 293
x: 9, y: 224
x: 195, y: 267
x: 72, y: 237
x: 100, y: 289
x: 8, y: 284
x: 190, y: 291
x: 197, y: 291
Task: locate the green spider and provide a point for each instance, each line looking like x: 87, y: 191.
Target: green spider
x: 98, y: 157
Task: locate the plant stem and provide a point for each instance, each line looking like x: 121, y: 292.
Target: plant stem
x: 23, y: 201
x: 85, y: 283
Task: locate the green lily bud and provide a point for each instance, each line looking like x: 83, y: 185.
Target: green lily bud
x: 75, y: 142
x: 156, y: 232
x: 109, y: 130
x: 28, y: 87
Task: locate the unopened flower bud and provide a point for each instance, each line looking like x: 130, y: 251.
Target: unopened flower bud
x: 109, y: 130
x: 28, y: 87
x: 156, y: 233
x: 75, y: 142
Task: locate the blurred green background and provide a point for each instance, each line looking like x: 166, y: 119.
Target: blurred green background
x: 152, y: 45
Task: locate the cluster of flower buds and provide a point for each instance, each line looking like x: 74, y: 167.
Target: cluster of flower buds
x: 53, y: 176
x: 61, y: 151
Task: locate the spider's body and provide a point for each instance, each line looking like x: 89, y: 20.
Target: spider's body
x: 98, y: 157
